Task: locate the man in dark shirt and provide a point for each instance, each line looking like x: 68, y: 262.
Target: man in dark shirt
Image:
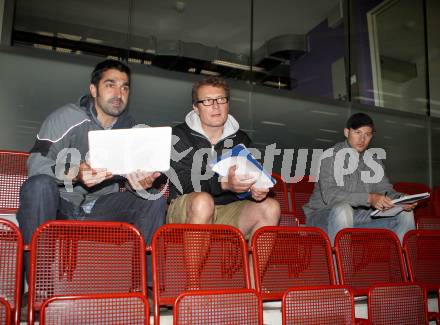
x: 346, y: 201
x: 207, y: 130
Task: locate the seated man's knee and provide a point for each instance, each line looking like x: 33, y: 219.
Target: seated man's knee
x: 200, y: 208
x: 271, y: 209
x: 406, y: 218
x: 158, y: 203
x: 341, y: 215
x: 155, y: 208
x: 39, y: 184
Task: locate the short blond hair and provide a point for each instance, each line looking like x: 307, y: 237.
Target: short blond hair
x: 209, y: 81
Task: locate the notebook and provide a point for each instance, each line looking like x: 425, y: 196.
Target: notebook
x: 123, y: 151
x: 398, y: 205
x: 246, y: 165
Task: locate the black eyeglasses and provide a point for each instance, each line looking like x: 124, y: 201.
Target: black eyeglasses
x: 210, y: 101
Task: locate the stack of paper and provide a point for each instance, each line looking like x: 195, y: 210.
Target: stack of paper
x: 124, y: 151
x: 246, y: 164
x: 399, y: 203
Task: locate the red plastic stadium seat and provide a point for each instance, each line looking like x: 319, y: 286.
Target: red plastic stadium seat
x: 130, y: 308
x: 11, y: 256
x: 411, y: 188
x: 285, y: 257
x: 428, y: 223
x: 368, y: 256
x: 323, y: 305
x: 302, y: 191
x: 282, y: 193
x: 165, y: 189
x: 436, y: 200
x: 13, y: 172
x: 397, y: 304
x: 85, y: 257
x: 423, y: 258
x: 190, y: 257
x: 5, y: 312
x: 424, y: 208
x: 238, y: 307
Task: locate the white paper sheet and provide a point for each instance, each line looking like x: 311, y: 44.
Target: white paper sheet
x: 246, y: 165
x: 399, y: 203
x: 126, y: 150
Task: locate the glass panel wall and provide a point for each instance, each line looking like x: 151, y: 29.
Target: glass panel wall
x: 303, y: 47
x: 388, y: 54
x: 435, y: 145
x: 433, y: 26
x: 295, y: 130
x: 198, y: 37
x: 73, y: 26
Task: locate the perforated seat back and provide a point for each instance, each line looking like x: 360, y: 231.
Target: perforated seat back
x: 190, y: 257
x: 368, y: 256
x: 238, y: 307
x: 85, y: 257
x: 102, y: 309
x: 13, y: 172
x: 285, y: 257
x: 324, y: 305
x: 11, y: 270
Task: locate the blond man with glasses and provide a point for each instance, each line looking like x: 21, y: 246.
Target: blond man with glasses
x: 200, y: 196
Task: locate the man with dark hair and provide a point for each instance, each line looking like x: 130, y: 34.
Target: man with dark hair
x: 91, y: 194
x: 105, y: 65
x: 344, y: 198
x: 207, y: 131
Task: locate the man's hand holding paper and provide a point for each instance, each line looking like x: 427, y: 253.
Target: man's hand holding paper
x: 380, y: 201
x: 259, y: 194
x: 405, y: 202
x: 236, y: 182
x: 241, y: 172
x: 240, y: 183
x: 409, y: 207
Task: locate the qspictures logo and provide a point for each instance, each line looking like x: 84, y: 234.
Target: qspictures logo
x: 343, y: 163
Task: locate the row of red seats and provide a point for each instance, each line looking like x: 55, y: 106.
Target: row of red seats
x: 308, y: 305
x: 291, y: 196
x: 71, y: 258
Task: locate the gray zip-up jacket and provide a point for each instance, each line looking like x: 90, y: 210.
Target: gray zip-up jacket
x: 354, y: 190
x: 67, y: 128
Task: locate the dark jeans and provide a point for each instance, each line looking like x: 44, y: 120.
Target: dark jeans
x: 40, y: 201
